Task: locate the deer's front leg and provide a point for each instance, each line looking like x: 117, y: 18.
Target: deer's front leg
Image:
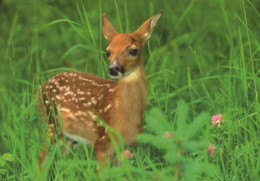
x: 104, y: 154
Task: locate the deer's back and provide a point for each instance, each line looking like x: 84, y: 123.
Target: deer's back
x: 77, y: 98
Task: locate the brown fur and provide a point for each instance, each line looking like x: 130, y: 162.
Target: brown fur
x: 72, y: 102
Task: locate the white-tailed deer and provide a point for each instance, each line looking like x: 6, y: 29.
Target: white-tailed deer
x: 80, y: 99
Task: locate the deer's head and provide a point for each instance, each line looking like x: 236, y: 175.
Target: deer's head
x: 124, y: 50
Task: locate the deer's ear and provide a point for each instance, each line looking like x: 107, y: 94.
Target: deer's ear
x: 147, y: 28
x: 108, y: 29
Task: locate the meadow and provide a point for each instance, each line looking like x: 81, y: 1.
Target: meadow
x: 202, y: 60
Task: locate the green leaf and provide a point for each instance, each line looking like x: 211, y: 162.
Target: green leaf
x: 156, y: 121
x: 197, y: 124
x: 171, y: 155
x: 156, y: 141
x: 113, y: 172
x: 8, y: 157
x: 182, y: 113
x: 2, y: 171
x: 195, y: 168
x: 192, y: 169
x: 192, y: 146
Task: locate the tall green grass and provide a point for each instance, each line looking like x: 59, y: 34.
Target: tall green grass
x: 204, y: 53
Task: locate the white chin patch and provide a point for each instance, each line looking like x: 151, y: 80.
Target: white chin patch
x: 117, y: 77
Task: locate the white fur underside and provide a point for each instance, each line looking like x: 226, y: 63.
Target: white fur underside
x: 78, y: 139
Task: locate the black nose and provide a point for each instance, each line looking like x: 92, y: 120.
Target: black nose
x: 113, y: 70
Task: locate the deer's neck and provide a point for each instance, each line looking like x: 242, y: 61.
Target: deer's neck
x: 131, y: 103
x: 133, y: 86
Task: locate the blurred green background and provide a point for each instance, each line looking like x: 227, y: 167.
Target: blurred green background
x: 205, y: 52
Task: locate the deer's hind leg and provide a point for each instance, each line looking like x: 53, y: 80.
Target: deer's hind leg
x: 48, y: 136
x: 53, y: 135
x: 53, y: 132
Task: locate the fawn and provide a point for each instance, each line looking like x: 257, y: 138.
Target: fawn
x: 80, y: 99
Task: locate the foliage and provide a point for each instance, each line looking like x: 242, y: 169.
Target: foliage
x: 204, y: 52
x: 180, y: 146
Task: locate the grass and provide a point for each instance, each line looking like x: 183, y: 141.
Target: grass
x: 202, y: 59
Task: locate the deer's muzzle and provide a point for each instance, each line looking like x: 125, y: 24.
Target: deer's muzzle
x: 115, y: 70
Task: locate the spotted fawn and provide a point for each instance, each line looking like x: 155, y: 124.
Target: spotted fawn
x: 73, y: 102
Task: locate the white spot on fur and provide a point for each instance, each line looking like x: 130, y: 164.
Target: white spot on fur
x: 93, y: 100
x: 102, y: 138
x: 72, y: 116
x: 65, y: 109
x: 106, y: 85
x: 80, y: 92
x: 93, y: 116
x: 111, y: 90
x: 88, y: 123
x: 52, y: 80
x: 56, y: 83
x: 82, y: 98
x: 94, y: 83
x: 79, y: 113
x: 61, y: 88
x: 87, y: 104
x: 100, y: 97
x: 108, y: 107
x: 51, y: 125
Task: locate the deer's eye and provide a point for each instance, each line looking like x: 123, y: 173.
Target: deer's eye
x: 133, y: 52
x: 108, y: 53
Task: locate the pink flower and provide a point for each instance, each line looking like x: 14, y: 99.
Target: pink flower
x: 127, y: 154
x: 211, y: 149
x: 217, y: 120
x: 168, y: 135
